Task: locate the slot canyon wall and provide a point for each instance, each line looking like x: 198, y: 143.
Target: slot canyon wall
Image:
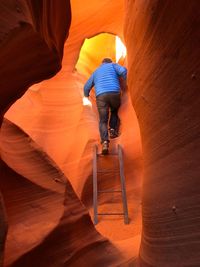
x: 162, y: 39
x: 34, y: 48
x: 47, y: 138
x: 46, y: 165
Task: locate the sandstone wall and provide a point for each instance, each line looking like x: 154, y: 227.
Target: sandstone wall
x: 162, y: 39
x: 50, y: 164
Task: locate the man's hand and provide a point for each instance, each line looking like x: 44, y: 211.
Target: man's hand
x: 86, y: 101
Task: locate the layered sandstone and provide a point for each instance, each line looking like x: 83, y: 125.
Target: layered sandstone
x: 162, y: 39
x: 47, y: 136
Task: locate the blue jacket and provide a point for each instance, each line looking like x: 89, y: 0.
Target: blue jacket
x: 105, y: 79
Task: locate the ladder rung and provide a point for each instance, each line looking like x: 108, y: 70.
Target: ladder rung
x: 116, y: 213
x: 108, y: 171
x: 109, y: 154
x: 109, y: 191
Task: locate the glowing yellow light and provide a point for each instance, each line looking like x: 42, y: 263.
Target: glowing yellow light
x: 120, y: 49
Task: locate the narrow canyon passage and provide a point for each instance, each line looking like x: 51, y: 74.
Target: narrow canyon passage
x: 53, y: 115
x: 50, y: 121
x: 47, y: 135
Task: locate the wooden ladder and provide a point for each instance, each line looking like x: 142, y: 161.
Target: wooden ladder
x: 122, y: 182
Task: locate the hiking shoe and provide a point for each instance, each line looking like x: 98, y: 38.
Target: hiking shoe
x: 113, y: 133
x: 105, y: 146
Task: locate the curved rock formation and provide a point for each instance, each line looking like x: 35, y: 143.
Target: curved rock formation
x: 30, y: 50
x: 48, y: 225
x: 25, y: 26
x: 52, y: 115
x: 162, y: 40
x: 58, y: 122
x: 47, y: 136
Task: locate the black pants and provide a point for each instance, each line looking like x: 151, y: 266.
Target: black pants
x: 105, y: 103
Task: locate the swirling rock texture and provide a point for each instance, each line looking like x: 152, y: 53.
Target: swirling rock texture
x: 162, y: 39
x: 47, y: 136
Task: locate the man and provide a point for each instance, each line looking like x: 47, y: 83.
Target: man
x: 106, y: 81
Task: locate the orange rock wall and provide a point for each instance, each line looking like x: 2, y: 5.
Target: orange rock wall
x: 48, y: 136
x: 40, y: 139
x: 42, y: 209
x: 24, y: 28
x: 26, y: 25
x: 162, y: 39
x: 89, y: 20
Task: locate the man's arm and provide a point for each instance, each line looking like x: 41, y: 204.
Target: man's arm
x: 121, y: 71
x: 88, y: 86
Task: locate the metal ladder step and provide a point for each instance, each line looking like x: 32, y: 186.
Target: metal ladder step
x: 109, y: 191
x: 108, y: 171
x: 114, y: 213
x: 109, y: 154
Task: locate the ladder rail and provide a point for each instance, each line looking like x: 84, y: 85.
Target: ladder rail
x: 95, y: 200
x: 123, y: 186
